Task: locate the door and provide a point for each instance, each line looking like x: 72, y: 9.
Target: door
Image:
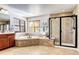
x: 68, y: 31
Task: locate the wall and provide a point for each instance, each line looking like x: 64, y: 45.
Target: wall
x: 3, y: 22
x: 61, y: 14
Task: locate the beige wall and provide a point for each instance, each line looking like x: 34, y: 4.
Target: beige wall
x: 61, y: 14
x: 3, y: 22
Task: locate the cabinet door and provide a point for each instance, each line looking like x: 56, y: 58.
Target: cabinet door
x: 11, y: 40
x: 1, y: 43
x: 4, y: 43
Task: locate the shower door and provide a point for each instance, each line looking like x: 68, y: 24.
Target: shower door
x: 64, y: 29
x: 55, y: 30
x: 68, y: 31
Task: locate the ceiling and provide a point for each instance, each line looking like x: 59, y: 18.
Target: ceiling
x: 42, y: 9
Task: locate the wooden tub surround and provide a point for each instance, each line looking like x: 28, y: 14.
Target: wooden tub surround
x: 34, y: 41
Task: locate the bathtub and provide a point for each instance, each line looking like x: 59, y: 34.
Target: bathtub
x: 22, y: 40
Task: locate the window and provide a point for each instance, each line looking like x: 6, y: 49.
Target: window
x: 19, y: 25
x: 34, y: 26
x: 22, y: 26
x: 4, y: 27
x: 1, y: 28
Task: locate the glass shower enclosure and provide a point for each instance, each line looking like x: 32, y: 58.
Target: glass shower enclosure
x: 64, y: 29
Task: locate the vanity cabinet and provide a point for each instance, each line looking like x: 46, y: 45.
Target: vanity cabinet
x: 6, y: 40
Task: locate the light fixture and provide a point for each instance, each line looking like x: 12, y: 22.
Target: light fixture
x: 3, y: 11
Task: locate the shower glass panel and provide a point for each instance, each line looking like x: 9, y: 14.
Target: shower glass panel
x: 55, y: 30
x: 68, y: 26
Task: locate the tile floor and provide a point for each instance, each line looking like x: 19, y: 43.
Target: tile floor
x: 38, y: 50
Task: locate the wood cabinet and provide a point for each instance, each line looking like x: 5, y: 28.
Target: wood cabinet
x: 6, y: 40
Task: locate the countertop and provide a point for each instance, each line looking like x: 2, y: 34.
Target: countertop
x: 7, y: 33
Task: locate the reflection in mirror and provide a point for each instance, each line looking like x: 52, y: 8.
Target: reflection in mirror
x: 4, y: 21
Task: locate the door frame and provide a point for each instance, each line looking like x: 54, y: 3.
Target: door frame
x: 76, y: 41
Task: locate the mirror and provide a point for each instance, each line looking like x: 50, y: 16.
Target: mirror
x: 4, y: 21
